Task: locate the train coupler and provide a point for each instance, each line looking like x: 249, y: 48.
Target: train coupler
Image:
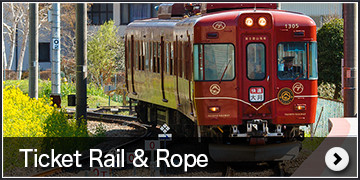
x: 257, y: 128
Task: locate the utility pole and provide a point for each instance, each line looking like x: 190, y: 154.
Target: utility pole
x: 81, y: 62
x: 55, y: 54
x: 4, y: 58
x: 34, y: 50
x: 350, y: 11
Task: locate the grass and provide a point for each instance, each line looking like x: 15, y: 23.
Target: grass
x: 312, y: 143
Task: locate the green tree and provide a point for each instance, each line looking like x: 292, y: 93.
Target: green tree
x: 105, y: 53
x: 330, y: 51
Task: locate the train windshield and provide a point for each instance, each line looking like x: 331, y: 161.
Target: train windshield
x: 213, y: 62
x: 255, y: 58
x: 292, y: 60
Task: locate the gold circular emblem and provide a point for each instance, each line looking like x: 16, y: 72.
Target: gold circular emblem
x: 285, y: 96
x: 215, y: 89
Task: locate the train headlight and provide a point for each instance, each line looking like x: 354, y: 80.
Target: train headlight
x: 214, y: 109
x: 262, y: 21
x: 300, y: 107
x: 249, y: 21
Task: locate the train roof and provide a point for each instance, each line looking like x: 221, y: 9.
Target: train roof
x: 280, y: 17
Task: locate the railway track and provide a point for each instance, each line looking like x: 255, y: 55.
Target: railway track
x: 108, y: 118
x: 226, y: 170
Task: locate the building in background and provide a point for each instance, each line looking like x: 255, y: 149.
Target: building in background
x: 125, y: 13
x: 317, y: 11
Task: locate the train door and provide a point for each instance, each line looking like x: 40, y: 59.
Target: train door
x: 257, y: 81
x: 162, y: 65
x: 132, y: 66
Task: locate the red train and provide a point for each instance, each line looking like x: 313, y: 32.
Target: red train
x: 239, y: 73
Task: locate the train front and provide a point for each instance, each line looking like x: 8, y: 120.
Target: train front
x: 255, y: 75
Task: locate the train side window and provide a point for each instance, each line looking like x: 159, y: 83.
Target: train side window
x: 198, y: 62
x: 151, y: 57
x: 140, y: 55
x: 136, y: 56
x: 292, y: 60
x: 179, y: 59
x: 147, y: 55
x: 154, y: 56
x: 185, y: 61
x: 158, y: 57
x: 171, y: 58
x: 213, y: 62
x: 188, y: 61
x: 167, y: 54
x: 143, y: 52
x: 181, y: 67
x: 255, y: 61
x: 313, y: 69
x: 176, y: 56
x: 128, y: 53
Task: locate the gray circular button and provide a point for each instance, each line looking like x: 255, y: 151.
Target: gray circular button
x: 337, y: 159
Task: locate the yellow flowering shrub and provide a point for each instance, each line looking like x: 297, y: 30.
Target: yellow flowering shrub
x: 25, y: 119
x: 28, y: 117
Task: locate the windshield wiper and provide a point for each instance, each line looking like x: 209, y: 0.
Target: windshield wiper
x: 301, y: 74
x: 224, y: 71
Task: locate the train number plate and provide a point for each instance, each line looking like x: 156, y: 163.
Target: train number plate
x: 256, y: 94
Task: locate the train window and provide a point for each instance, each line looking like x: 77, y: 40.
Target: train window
x: 183, y: 59
x: 136, y: 57
x: 213, y: 61
x: 140, y: 55
x: 255, y: 55
x: 176, y: 57
x: 143, y: 52
x: 128, y: 53
x: 154, y: 56
x: 150, y: 57
x: 180, y: 59
x: 187, y: 61
x: 292, y: 60
x: 158, y: 57
x: 167, y: 58
x: 171, y: 59
x: 147, y: 56
x: 313, y: 69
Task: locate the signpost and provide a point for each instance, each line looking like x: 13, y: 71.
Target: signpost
x: 100, y: 171
x: 108, y: 89
x: 165, y: 137
x: 129, y: 159
x: 152, y: 145
x: 56, y: 43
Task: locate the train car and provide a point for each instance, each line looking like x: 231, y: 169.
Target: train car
x: 244, y: 75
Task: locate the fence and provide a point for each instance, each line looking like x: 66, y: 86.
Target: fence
x: 325, y: 109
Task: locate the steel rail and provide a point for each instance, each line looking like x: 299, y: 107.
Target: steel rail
x: 105, y: 118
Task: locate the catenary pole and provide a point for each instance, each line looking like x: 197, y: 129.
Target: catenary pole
x: 55, y: 54
x: 81, y: 62
x: 350, y: 59
x: 34, y: 50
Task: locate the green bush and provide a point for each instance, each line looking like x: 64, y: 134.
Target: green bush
x: 105, y: 53
x: 330, y: 40
x: 327, y: 90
